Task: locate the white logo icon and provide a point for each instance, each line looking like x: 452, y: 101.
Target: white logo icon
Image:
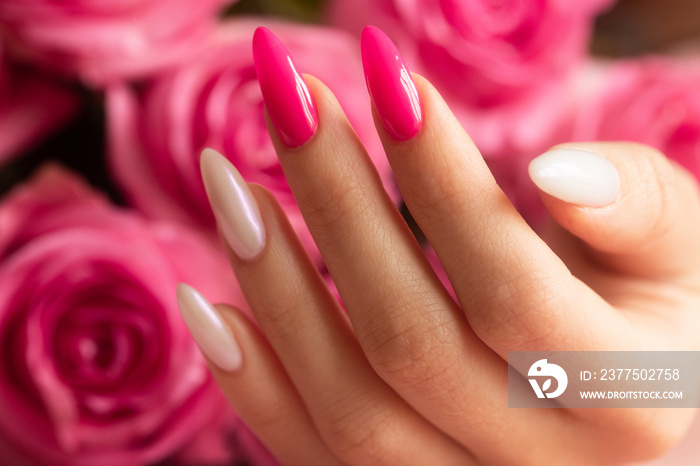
x: 542, y: 368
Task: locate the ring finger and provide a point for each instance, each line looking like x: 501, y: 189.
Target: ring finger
x: 360, y: 418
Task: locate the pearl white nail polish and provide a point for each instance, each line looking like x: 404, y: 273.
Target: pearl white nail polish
x: 234, y: 206
x: 211, y: 333
x: 577, y: 177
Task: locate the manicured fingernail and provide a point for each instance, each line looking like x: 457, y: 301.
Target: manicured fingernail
x: 391, y: 86
x: 286, y: 95
x: 237, y: 214
x: 213, y: 336
x: 576, y: 176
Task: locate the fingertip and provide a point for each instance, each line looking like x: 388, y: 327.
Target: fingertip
x: 237, y: 320
x: 390, y: 85
x: 576, y: 176
x: 210, y: 332
x: 327, y: 103
x: 441, y: 127
x: 625, y: 200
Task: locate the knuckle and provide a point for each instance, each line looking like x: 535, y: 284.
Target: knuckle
x: 649, y: 185
x: 284, y: 320
x: 433, y: 195
x: 400, y: 354
x: 325, y: 207
x: 332, y: 199
x: 659, y: 196
x: 439, y: 188
x: 519, y: 314
x: 416, y: 356
x: 366, y: 436
x: 435, y: 198
x: 273, y: 415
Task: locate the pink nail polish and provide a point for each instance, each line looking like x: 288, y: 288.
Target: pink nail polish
x: 286, y: 95
x: 391, y: 86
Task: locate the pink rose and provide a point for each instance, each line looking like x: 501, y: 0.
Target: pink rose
x: 499, y: 64
x: 654, y: 101
x: 487, y: 52
x: 157, y: 132
x: 103, y: 41
x: 30, y: 107
x: 97, y: 364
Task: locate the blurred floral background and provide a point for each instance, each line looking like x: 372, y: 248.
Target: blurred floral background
x: 105, y: 106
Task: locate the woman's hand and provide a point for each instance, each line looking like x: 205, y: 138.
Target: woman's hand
x: 409, y: 376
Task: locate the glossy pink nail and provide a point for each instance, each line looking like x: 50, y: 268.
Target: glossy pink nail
x: 391, y: 86
x: 286, y: 95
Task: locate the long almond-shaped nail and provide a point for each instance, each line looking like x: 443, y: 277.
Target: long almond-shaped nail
x: 391, y: 86
x: 212, y: 335
x: 576, y: 176
x: 237, y: 214
x: 286, y: 94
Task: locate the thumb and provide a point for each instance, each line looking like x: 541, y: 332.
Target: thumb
x: 638, y: 212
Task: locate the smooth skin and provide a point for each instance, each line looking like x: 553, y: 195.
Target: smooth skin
x: 410, y: 377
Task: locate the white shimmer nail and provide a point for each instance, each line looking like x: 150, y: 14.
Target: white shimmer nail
x: 211, y: 333
x: 234, y: 206
x: 577, y: 177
